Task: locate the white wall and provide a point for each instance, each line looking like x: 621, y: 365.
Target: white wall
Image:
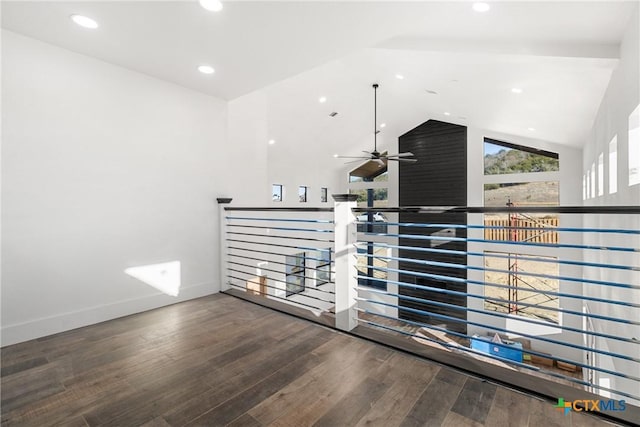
x: 621, y: 98
x: 103, y: 169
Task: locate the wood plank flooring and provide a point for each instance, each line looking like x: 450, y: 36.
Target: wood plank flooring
x: 220, y: 361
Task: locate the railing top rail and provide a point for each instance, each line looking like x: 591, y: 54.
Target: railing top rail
x: 507, y: 209
x: 269, y: 209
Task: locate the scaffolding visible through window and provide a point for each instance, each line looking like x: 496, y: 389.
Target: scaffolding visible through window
x: 519, y: 283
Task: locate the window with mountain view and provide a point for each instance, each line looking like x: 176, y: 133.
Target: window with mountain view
x: 505, y: 158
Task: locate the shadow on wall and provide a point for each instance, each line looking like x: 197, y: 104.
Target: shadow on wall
x: 165, y: 276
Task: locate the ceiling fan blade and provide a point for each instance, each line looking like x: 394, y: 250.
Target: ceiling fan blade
x: 379, y: 161
x: 357, y: 161
x: 407, y: 154
x: 403, y: 160
x: 368, y: 152
x: 351, y: 157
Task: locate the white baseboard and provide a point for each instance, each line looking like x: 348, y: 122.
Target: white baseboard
x: 37, y: 328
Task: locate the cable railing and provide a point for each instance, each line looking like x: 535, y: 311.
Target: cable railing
x: 557, y: 316
x: 282, y: 255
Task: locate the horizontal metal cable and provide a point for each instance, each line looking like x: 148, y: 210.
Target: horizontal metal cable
x: 317, y: 221
x: 539, y: 338
x: 281, y: 254
x: 267, y: 209
x: 504, y: 242
x: 473, y: 351
x: 270, y: 236
x: 496, y: 285
x: 507, y: 301
x: 501, y: 255
x: 497, y: 270
x: 498, y: 314
x: 503, y: 227
x: 615, y: 210
x: 303, y: 248
x: 279, y: 289
x: 288, y: 274
x: 279, y: 263
x: 309, y: 230
x: 274, y: 296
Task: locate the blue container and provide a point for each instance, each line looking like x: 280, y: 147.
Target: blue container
x: 509, y: 350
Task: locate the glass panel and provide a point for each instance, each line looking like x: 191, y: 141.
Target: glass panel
x: 323, y: 195
x: 522, y: 292
x: 505, y: 158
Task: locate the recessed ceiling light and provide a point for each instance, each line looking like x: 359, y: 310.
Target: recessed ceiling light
x: 383, y: 125
x: 481, y: 6
x: 446, y: 113
x: 211, y: 5
x: 272, y: 141
x: 516, y: 90
x: 399, y: 76
x: 84, y: 21
x: 335, y: 155
x: 206, y: 69
x: 322, y: 99
x: 531, y: 129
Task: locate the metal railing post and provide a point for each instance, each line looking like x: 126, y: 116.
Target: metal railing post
x: 346, y: 261
x: 222, y: 202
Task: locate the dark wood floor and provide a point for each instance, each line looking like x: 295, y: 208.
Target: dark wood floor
x: 223, y: 361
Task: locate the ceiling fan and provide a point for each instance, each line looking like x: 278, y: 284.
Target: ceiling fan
x: 375, y: 155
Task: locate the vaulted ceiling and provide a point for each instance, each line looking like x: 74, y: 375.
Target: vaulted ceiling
x: 559, y: 54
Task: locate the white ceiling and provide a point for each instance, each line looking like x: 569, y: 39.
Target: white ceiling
x: 561, y: 53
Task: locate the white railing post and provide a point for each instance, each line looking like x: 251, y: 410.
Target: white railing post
x: 346, y: 260
x: 222, y: 202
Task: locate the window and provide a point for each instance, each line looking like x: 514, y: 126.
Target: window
x: 323, y: 271
x: 524, y: 283
x: 601, y: 174
x: 505, y: 158
x: 295, y: 273
x: 372, y: 260
x: 593, y: 180
x: 588, y: 184
x: 540, y: 193
x: 613, y: 165
x: 276, y: 190
x: 372, y: 264
x: 584, y: 187
x: 634, y: 147
x: 302, y: 194
x: 323, y: 195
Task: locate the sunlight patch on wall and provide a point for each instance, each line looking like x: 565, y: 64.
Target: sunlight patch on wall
x: 165, y: 276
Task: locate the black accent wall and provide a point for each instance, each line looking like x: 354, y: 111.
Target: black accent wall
x: 438, y: 179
